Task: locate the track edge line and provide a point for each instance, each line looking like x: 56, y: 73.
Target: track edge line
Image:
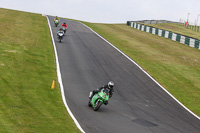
x: 60, y: 80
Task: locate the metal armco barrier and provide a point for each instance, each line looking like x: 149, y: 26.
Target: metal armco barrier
x: 192, y: 42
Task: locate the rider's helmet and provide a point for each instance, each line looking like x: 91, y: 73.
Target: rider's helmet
x: 64, y: 23
x: 110, y: 84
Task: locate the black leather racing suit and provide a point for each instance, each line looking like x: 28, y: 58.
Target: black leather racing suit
x: 111, y: 90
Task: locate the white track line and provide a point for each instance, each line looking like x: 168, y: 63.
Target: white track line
x: 60, y: 81
x: 144, y: 72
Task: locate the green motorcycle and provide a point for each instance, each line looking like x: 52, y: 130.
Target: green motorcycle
x: 98, y: 99
x: 56, y: 22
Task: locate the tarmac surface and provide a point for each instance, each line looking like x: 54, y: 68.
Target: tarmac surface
x: 138, y: 104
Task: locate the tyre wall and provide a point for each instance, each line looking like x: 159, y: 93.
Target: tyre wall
x: 192, y: 42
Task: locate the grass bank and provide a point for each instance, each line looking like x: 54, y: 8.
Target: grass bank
x: 178, y: 28
x: 27, y: 69
x: 175, y: 66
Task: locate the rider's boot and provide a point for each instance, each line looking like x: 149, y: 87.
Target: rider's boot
x: 91, y: 95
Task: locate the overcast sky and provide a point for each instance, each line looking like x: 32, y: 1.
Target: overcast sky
x: 110, y: 11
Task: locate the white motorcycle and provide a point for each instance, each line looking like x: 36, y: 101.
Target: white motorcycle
x: 60, y: 36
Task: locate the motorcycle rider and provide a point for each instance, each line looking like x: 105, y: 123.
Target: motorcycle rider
x: 109, y: 86
x: 64, y: 25
x: 57, y: 18
x: 60, y: 31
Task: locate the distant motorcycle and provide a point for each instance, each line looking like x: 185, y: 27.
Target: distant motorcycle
x: 98, y: 99
x: 60, y: 36
x: 56, y: 22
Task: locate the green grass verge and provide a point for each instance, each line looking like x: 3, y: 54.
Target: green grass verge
x: 27, y: 69
x: 175, y: 66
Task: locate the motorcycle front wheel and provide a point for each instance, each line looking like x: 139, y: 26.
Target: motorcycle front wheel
x: 60, y: 38
x: 97, y: 105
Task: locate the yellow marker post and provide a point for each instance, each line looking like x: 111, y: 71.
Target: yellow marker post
x: 53, y: 85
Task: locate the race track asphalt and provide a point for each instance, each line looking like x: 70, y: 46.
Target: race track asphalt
x: 138, y: 105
